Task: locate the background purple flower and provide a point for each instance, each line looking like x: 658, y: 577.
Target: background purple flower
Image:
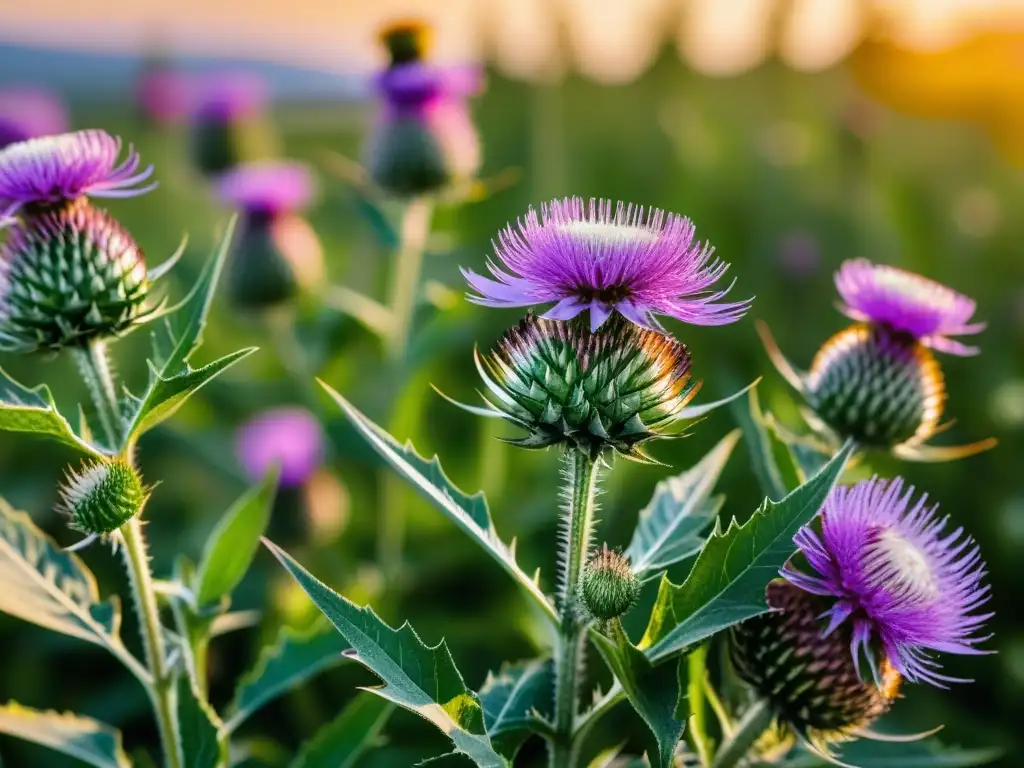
x: 26, y: 113
x: 635, y: 261
x: 267, y: 187
x: 229, y: 96
x: 164, y: 95
x: 908, y: 302
x: 290, y: 437
x: 54, y: 168
x: 897, y: 574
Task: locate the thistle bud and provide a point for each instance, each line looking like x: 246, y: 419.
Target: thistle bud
x: 69, y: 274
x: 614, y: 388
x: 424, y: 138
x: 229, y: 126
x: 103, y: 496
x: 810, y: 678
x: 609, y: 588
x: 877, y: 385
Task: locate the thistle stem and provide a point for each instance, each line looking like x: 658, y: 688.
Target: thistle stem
x: 405, y: 287
x: 94, y: 367
x: 99, y: 379
x: 735, y: 748
x: 580, y: 491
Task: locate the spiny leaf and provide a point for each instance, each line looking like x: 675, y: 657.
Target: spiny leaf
x: 33, y: 411
x: 166, y: 395
x: 513, y: 699
x: 653, y: 693
x: 233, y: 543
x: 83, y: 738
x: 727, y: 583
x: 292, y: 659
x: 470, y: 513
x: 669, y: 527
x: 50, y: 587
x: 759, y: 443
x: 341, y: 743
x: 419, y: 678
x: 198, y: 729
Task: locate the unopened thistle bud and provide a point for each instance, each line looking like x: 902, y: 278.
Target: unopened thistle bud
x: 68, y: 271
x: 276, y: 253
x: 103, y: 496
x: 878, y: 381
x: 609, y: 588
x: 229, y: 126
x: 614, y: 388
x: 424, y: 138
x: 808, y: 677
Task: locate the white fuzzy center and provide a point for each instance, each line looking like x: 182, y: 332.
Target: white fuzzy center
x: 903, y: 567
x: 81, y: 484
x: 608, y: 234
x: 915, y: 288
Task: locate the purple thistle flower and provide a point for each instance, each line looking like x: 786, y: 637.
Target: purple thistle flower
x: 28, y: 113
x: 289, y: 437
x: 229, y: 96
x: 897, y: 574
x: 927, y: 310
x: 164, y: 95
x: 267, y: 187
x: 631, y: 260
x: 64, y: 167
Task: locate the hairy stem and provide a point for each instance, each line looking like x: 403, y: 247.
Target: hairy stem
x: 580, y: 491
x: 749, y: 729
x: 94, y: 367
x: 99, y: 379
x: 405, y: 288
x: 697, y: 728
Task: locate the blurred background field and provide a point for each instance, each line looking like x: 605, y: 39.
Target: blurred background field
x: 873, y: 137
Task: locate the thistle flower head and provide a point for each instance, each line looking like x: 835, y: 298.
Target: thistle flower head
x: 926, y: 310
x: 406, y: 40
x: 614, y: 388
x: 29, y: 113
x: 49, y: 170
x: 266, y: 188
x: 69, y: 274
x: 896, y: 576
x: 808, y: 676
x: 229, y: 96
x: 877, y: 385
x: 624, y: 259
x: 102, y: 496
x: 609, y: 588
x: 290, y: 438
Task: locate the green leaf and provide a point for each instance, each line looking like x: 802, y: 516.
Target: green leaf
x: 83, y: 738
x: 654, y: 694
x: 48, y: 586
x: 34, y: 411
x: 166, y: 395
x: 419, y: 678
x: 727, y: 582
x: 669, y: 527
x: 921, y: 754
x: 759, y: 443
x: 199, y: 729
x: 513, y: 700
x: 341, y: 743
x: 184, y: 324
x: 292, y: 659
x: 470, y: 513
x: 232, y: 545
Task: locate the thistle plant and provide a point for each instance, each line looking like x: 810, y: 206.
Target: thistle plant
x: 596, y: 380
x: 74, y: 281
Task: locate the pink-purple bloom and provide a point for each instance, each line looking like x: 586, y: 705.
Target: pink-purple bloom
x: 64, y: 167
x: 898, y: 573
x: 927, y: 310
x: 26, y: 113
x: 229, y: 96
x: 164, y: 94
x: 603, y: 259
x: 267, y: 187
x: 288, y: 437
